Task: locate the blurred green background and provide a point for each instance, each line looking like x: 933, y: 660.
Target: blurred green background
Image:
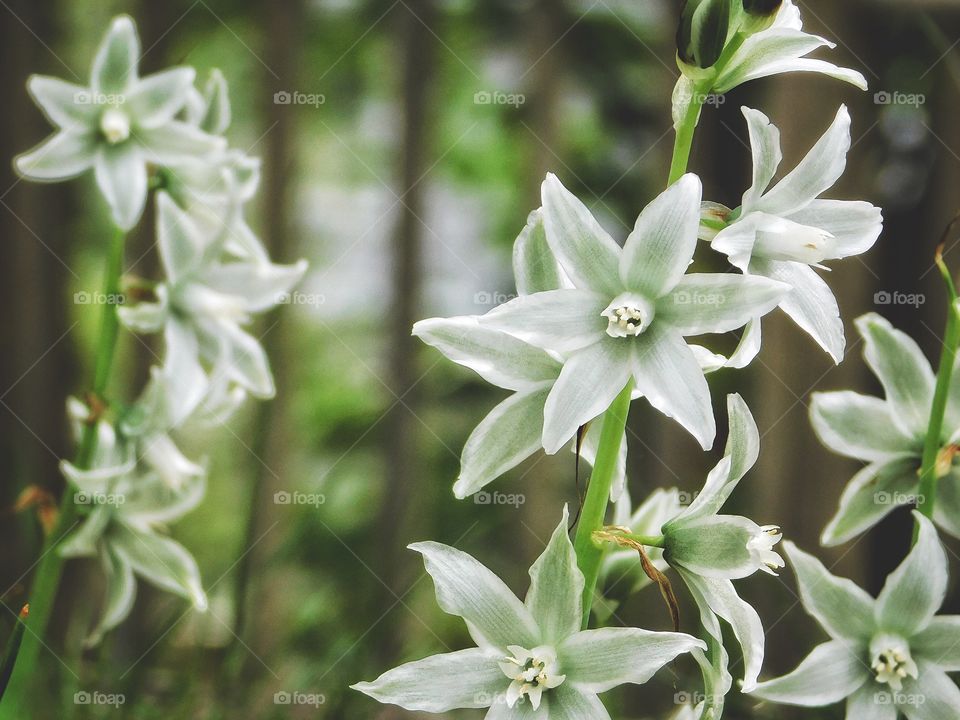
x: 403, y: 178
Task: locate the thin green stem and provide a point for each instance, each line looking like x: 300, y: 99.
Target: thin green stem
x: 589, y: 553
x: 15, y: 703
x: 683, y: 144
x: 657, y: 541
x: 931, y: 447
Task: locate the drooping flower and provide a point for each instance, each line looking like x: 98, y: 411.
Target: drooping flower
x: 201, y: 307
x: 126, y: 499
x: 118, y: 125
x: 885, y: 657
x: 629, y: 312
x: 532, y: 659
x: 889, y: 435
x: 783, y: 232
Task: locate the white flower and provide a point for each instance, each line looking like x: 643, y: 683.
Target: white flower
x: 782, y: 47
x: 117, y: 126
x: 201, y: 308
x: 885, y: 656
x: 125, y: 499
x: 709, y: 550
x: 781, y: 231
x: 888, y: 434
x: 626, y: 319
x: 532, y: 659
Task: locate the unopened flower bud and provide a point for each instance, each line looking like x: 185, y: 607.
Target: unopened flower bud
x: 702, y: 35
x: 763, y: 8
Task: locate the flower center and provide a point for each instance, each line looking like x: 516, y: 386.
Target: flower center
x: 115, y: 125
x: 629, y: 315
x: 891, y: 661
x: 761, y: 549
x: 532, y: 672
x: 799, y: 243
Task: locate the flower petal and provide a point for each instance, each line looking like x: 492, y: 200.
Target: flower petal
x: 717, y: 303
x: 556, y: 587
x: 115, y: 65
x: 855, y: 225
x: 176, y: 142
x: 767, y: 155
x: 559, y: 320
x: 65, y: 105
x: 122, y: 177
x: 872, y: 494
x: 568, y: 703
x: 660, y: 248
x: 811, y: 304
x: 466, y: 588
x: 843, y: 609
x: 939, y: 642
x: 915, y: 590
x: 155, y: 99
x: 598, y: 660
x: 932, y: 696
x: 121, y: 591
x: 463, y: 679
x: 666, y: 371
x: 869, y: 703
x: 899, y: 364
x: 159, y: 560
x: 534, y: 265
x: 857, y: 426
x: 261, y: 286
x: 588, y: 383
x: 510, y: 434
x: 588, y: 255
x: 830, y: 673
x: 181, y: 244
x: 816, y: 173
x: 245, y: 360
x: 60, y: 157
x: 714, y: 546
x: 946, y: 511
x: 497, y: 357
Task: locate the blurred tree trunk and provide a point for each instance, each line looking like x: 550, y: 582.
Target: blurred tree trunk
x: 37, y: 362
x: 413, y: 29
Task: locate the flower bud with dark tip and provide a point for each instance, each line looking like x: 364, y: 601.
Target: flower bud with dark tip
x: 762, y: 7
x: 702, y: 35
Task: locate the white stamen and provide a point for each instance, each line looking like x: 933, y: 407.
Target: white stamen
x: 532, y: 672
x: 891, y: 661
x: 629, y: 315
x: 115, y: 125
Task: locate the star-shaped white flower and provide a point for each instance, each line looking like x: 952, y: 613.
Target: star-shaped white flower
x: 781, y: 231
x: 117, y: 126
x: 885, y: 657
x: 889, y: 435
x: 629, y: 312
x: 532, y: 659
x: 201, y: 307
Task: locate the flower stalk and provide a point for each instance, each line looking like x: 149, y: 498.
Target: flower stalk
x: 948, y: 356
x: 50, y: 569
x: 589, y: 553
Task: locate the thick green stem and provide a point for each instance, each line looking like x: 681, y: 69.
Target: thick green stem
x: 15, y: 704
x: 931, y: 448
x: 683, y: 143
x: 589, y: 553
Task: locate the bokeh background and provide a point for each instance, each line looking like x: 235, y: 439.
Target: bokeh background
x: 404, y: 182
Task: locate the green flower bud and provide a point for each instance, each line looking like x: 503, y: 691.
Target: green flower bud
x: 702, y: 35
x: 762, y: 7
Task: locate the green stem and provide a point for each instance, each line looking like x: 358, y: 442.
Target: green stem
x: 932, y: 443
x: 15, y: 702
x: 683, y: 143
x: 657, y: 541
x: 589, y: 554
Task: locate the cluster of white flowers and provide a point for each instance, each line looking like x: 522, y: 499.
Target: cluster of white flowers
x: 161, y: 132
x: 594, y: 322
